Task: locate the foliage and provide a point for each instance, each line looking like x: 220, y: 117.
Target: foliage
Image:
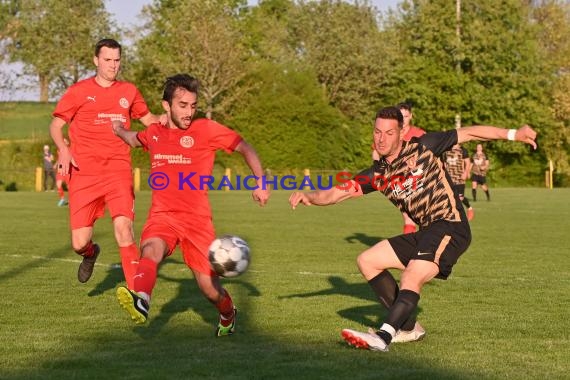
x: 501, y: 63
x: 342, y: 44
x: 290, y: 123
x: 199, y: 37
x: 54, y: 39
x: 553, y: 21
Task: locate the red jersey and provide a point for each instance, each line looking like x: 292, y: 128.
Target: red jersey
x: 182, y: 162
x: 89, y: 108
x: 414, y: 132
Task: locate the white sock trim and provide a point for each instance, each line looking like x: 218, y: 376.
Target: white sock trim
x: 144, y: 296
x: 389, y: 329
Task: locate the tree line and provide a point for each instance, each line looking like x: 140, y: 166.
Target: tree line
x: 302, y: 80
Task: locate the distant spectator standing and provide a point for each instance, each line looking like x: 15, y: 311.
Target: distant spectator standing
x: 479, y: 168
x: 48, y: 168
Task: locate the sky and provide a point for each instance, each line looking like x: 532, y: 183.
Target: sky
x: 126, y: 15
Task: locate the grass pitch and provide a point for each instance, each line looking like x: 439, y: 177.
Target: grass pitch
x: 502, y: 314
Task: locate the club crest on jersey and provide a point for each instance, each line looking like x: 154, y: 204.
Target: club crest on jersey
x: 186, y: 141
x: 123, y: 102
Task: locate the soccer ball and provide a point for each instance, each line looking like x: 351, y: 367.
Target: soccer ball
x: 229, y: 256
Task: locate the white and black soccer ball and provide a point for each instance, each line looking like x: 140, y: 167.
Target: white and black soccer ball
x: 229, y: 256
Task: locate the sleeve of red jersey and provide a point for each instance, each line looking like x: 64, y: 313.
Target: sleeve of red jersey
x: 221, y: 137
x: 142, y: 136
x: 139, y: 107
x: 67, y: 106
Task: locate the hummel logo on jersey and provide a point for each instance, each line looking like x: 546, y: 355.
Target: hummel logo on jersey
x: 424, y: 253
x: 155, y: 138
x: 92, y: 98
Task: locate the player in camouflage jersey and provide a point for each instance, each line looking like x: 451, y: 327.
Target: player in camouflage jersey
x: 479, y: 172
x: 458, y: 164
x: 411, y: 175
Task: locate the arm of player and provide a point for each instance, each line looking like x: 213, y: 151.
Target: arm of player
x: 327, y: 197
x: 261, y: 193
x: 151, y: 118
x: 129, y: 137
x: 64, y: 159
x: 484, y: 133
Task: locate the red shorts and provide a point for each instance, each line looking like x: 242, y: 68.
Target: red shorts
x: 63, y: 178
x: 88, y: 195
x: 194, y: 234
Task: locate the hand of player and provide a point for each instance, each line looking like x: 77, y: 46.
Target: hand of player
x: 65, y: 161
x: 261, y: 196
x: 526, y: 135
x: 117, y: 127
x: 298, y: 197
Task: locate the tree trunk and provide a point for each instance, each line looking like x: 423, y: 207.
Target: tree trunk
x: 44, y: 88
x: 209, y: 109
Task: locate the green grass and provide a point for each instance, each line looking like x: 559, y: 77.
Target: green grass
x: 25, y: 120
x: 502, y: 314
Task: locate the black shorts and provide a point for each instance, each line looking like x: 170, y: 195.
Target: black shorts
x: 442, y: 243
x: 459, y: 189
x: 480, y: 179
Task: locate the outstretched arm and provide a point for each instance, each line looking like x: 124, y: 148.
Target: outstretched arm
x: 327, y: 197
x: 130, y: 137
x: 484, y: 133
x: 261, y: 193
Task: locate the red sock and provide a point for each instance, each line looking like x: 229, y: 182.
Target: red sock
x: 409, y: 228
x: 145, y: 278
x: 226, y: 308
x: 87, y: 251
x: 60, y: 192
x: 129, y: 261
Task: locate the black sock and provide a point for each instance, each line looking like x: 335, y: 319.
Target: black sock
x: 474, y: 193
x: 402, y: 309
x: 466, y: 202
x: 386, y: 289
x: 487, y: 194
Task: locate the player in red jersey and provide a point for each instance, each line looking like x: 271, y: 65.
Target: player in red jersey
x: 410, y: 132
x: 182, y: 154
x: 98, y: 162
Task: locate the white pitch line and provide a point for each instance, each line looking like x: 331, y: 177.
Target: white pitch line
x: 118, y: 266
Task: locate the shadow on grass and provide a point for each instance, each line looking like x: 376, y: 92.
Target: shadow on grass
x: 188, y: 350
x: 189, y: 298
x: 364, y: 239
x: 34, y: 263
x: 369, y: 315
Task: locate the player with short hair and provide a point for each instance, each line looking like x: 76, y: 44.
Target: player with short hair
x: 425, y: 192
x: 458, y: 165
x: 98, y: 162
x: 182, y: 152
x: 479, y: 169
x: 410, y: 132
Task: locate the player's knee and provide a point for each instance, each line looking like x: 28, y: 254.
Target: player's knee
x: 79, y: 243
x: 124, y: 233
x: 153, y: 251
